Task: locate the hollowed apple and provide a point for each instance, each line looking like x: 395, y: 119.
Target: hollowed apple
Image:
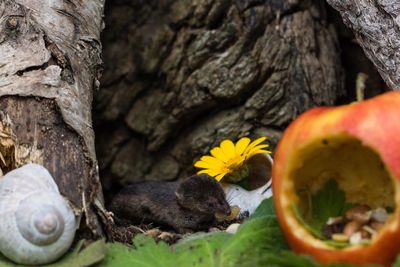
x: 358, y: 146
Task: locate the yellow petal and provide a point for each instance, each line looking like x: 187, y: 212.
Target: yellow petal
x: 219, y: 154
x: 212, y: 160
x: 238, y: 161
x: 255, y: 143
x: 261, y: 146
x: 202, y: 164
x: 220, y: 176
x: 241, y: 145
x: 208, y: 165
x: 255, y: 152
x: 210, y: 172
x: 258, y: 151
x: 258, y: 141
x: 228, y: 148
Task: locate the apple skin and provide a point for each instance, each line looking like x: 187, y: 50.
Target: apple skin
x: 376, y: 122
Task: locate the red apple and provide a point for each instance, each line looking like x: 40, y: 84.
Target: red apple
x: 358, y: 145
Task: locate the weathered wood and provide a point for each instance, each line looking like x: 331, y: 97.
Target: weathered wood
x: 61, y: 147
x: 376, y: 24
x: 49, y: 65
x: 182, y: 75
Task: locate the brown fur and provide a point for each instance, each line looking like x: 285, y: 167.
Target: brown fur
x: 185, y: 205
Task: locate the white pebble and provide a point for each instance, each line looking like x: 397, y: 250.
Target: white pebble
x: 369, y: 230
x: 379, y: 215
x: 232, y: 228
x: 333, y: 220
x: 355, y: 238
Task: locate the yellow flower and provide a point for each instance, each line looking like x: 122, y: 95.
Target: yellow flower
x: 230, y: 159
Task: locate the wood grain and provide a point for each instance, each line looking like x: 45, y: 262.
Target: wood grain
x: 49, y: 65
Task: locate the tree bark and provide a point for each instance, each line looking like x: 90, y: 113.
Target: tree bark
x: 49, y: 65
x: 376, y: 24
x: 182, y: 75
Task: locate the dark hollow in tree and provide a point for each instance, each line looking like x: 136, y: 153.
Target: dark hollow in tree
x: 182, y: 75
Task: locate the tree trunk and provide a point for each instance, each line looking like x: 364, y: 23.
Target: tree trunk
x: 182, y: 75
x: 49, y: 64
x: 376, y: 24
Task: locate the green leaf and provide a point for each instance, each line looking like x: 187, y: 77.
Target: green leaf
x: 88, y: 256
x: 266, y: 207
x: 79, y: 257
x: 118, y: 254
x: 255, y: 237
x: 147, y: 253
x: 291, y: 259
x: 287, y: 259
x: 397, y: 262
x: 4, y: 262
x: 315, y: 232
x: 201, y: 251
x: 328, y: 202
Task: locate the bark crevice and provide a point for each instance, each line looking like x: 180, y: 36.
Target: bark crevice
x: 376, y: 26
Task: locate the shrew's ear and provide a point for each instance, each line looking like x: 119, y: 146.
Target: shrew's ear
x: 179, y: 196
x: 187, y: 185
x: 181, y: 191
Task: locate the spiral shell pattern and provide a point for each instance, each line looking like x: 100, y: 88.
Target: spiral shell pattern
x: 37, y: 224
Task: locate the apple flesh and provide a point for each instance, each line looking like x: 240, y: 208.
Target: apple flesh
x: 358, y: 145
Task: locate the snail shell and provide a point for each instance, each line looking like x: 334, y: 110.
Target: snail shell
x: 37, y: 225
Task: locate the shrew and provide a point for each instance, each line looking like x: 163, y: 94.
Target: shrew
x: 185, y: 205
